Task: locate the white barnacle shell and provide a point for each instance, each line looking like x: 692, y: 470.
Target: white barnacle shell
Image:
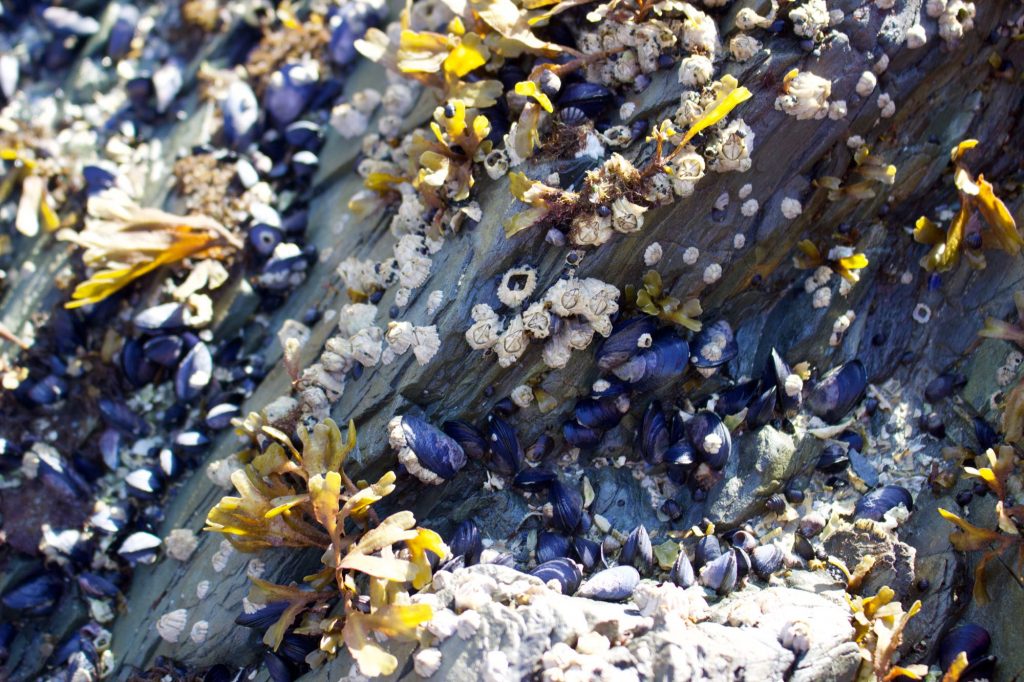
x: 426, y: 662
x: 712, y: 273
x: 398, y: 99
x: 652, y: 254
x: 749, y: 207
x: 367, y: 346
x: 791, y: 208
x: 434, y: 301
x: 737, y: 143
x: 700, y: 32
x: 517, y: 285
x: 426, y: 344
x: 916, y: 36
x: 866, y: 83
x: 202, y: 589
x: 887, y: 105
x: 601, y: 299
x: 742, y: 47
x: 537, y: 320
x: 413, y: 266
x: 695, y: 71
x: 522, y: 395
x: 821, y: 298
x: 688, y: 168
x: 935, y: 8
x: 198, y: 632
x: 496, y: 164
x: 366, y: 100
x: 796, y: 636
x: 566, y: 297
x: 627, y: 217
x: 590, y: 229
x: 581, y: 334
x: 171, y: 625
x: 810, y: 19
x: 556, y: 352
x: 747, y: 19
x: 690, y: 255
x: 690, y: 108
x: 400, y: 336
x: 486, y: 328
x: 180, y: 543
x: 837, y: 109
x: 805, y: 96
x: 349, y: 121
x: 355, y: 317
x: 793, y: 385
x: 659, y: 190
x: 512, y: 343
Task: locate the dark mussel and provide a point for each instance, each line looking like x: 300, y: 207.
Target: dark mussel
x: 665, y: 359
x: 714, y: 346
x: 263, y: 617
x: 765, y: 560
x: 566, y: 507
x: 277, y: 667
x: 682, y: 571
x: 36, y: 596
x: 137, y: 368
x: 164, y: 350
x: 672, y: 509
x: 601, y: 413
x: 194, y: 373
x: 219, y: 416
x: 788, y: 386
x: 933, y: 424
x: 468, y: 437
x: 720, y: 574
x: 875, y: 503
x: 506, y: 451
x: 611, y: 584
x: 742, y: 562
x: 288, y: 93
x: 165, y: 317
x: 535, y: 479
x: 742, y: 538
x: 591, y: 98
x: 303, y: 135
x: 296, y: 647
x: 59, y: 477
x: 264, y: 238
x: 943, y: 386
x: 241, y: 112
x: 426, y: 452
x: 707, y: 549
x: 49, y: 390
x: 563, y: 571
x: 987, y: 436
x: 96, y: 585
x: 710, y: 438
x: 587, y: 552
x: 838, y: 391
x: 761, y: 410
x: 552, y: 546
x: 119, y: 41
x: 972, y: 640
x: 623, y: 343
x: 540, y: 448
x: 833, y: 459
x: 580, y: 436
x: 637, y: 550
x: 654, y: 439
x: 733, y: 400
x: 466, y: 542
x: 143, y: 483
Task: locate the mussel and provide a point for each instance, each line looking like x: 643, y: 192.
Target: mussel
x: 426, y: 452
x: 611, y: 584
x: 838, y: 391
x: 875, y: 503
x: 565, y: 572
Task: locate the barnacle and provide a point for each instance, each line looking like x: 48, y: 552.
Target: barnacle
x: 977, y: 198
x: 293, y: 499
x: 125, y: 242
x: 805, y: 95
x: 652, y: 300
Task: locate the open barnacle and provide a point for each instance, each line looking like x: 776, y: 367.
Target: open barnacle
x: 652, y: 300
x: 517, y: 285
x: 293, y: 499
x: 125, y: 242
x: 810, y: 19
x: 977, y: 198
x: 843, y: 259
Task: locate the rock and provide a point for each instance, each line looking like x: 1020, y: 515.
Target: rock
x: 764, y: 462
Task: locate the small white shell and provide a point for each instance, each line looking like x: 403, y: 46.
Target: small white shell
x: 180, y: 544
x: 712, y: 273
x: 791, y: 208
x: 202, y: 589
x: 522, y: 395
x: 427, y: 661
x: 749, y: 207
x: 866, y: 83
x: 691, y: 255
x: 652, y: 254
x: 198, y: 632
x: 172, y: 624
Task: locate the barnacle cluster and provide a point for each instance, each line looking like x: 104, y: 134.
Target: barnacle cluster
x: 289, y: 498
x: 568, y: 315
x: 804, y: 95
